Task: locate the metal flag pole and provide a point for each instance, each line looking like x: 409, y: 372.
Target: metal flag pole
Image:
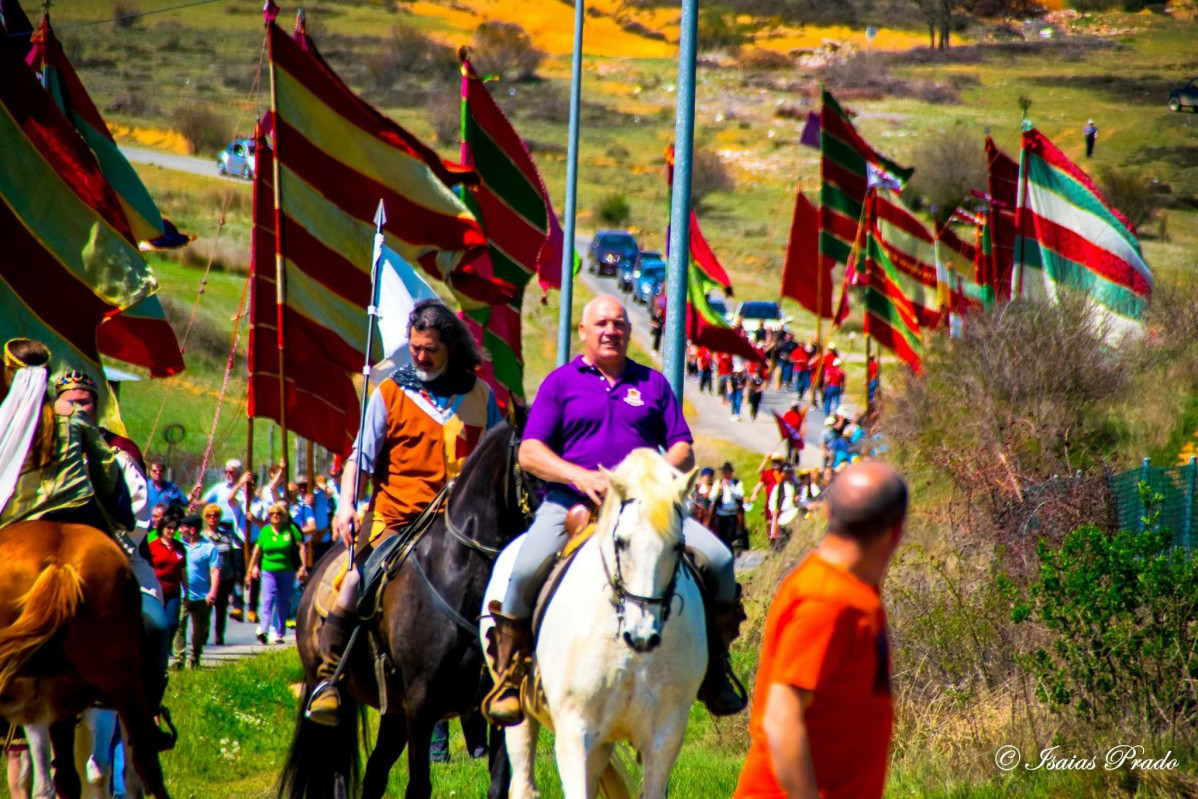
x: 372, y: 317
x: 673, y: 355
x: 565, y: 327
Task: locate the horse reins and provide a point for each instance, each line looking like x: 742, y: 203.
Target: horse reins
x: 512, y: 470
x: 620, y: 593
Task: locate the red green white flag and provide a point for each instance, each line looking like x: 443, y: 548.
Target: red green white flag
x: 1070, y: 238
x: 890, y: 316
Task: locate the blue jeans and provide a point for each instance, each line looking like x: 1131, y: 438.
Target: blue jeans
x: 788, y: 370
x: 735, y: 396
x: 802, y: 383
x: 873, y: 390
x: 832, y: 399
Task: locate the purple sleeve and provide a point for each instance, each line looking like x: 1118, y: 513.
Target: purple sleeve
x: 545, y: 416
x: 676, y: 428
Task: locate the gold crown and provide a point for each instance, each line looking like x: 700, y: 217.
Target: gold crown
x: 75, y: 380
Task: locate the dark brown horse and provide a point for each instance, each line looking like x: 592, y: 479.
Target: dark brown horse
x: 70, y: 638
x: 427, y: 627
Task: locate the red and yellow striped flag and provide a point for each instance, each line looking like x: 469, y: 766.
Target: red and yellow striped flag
x: 337, y: 157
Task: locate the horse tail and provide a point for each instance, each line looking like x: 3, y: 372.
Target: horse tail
x: 614, y: 781
x: 49, y: 603
x: 323, y: 762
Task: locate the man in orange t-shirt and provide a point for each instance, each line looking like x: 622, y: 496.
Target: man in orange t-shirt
x: 822, y: 713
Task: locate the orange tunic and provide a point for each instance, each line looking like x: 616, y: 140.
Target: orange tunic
x: 424, y: 448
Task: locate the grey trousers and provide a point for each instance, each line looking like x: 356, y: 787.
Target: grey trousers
x: 547, y: 536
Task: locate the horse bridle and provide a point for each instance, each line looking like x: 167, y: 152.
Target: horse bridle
x: 511, y: 471
x: 620, y: 593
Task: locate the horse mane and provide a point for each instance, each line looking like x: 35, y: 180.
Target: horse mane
x: 646, y: 476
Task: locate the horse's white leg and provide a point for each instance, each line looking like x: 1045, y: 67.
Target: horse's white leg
x: 659, y: 754
x: 521, y: 741
x: 38, y: 736
x: 580, y: 760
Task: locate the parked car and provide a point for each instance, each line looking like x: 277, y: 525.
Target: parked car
x: 238, y: 159
x: 650, y: 277
x: 610, y: 250
x: 1185, y: 97
x: 754, y: 314
x: 718, y: 305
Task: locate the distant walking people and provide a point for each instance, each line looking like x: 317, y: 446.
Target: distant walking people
x: 822, y: 713
x: 199, y: 592
x: 1091, y: 133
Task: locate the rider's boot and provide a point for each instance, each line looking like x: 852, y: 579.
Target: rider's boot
x: 721, y: 691
x: 324, y: 707
x: 513, y: 648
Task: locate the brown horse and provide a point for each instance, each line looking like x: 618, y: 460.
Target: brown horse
x: 70, y: 638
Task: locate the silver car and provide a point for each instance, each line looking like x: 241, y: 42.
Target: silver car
x: 238, y: 159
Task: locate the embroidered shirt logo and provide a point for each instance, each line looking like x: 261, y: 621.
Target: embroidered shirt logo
x: 633, y: 398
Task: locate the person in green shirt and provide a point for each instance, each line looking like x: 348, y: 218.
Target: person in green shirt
x: 276, y: 561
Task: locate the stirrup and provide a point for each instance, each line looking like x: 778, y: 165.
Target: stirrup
x: 324, y: 706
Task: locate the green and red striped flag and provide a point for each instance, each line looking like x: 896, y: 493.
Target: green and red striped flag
x: 910, y: 246
x: 890, y: 317
x: 848, y: 167
x: 512, y: 204
x: 1071, y: 238
x: 141, y: 335
x: 705, y: 327
x: 70, y: 257
x: 336, y: 158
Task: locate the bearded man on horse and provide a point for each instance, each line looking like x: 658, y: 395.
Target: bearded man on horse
x: 588, y: 415
x: 421, y: 424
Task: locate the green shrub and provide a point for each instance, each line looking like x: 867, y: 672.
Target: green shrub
x: 205, y: 131
x: 1120, y: 613
x: 613, y: 210
x: 505, y: 49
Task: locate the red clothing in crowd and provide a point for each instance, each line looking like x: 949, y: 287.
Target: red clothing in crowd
x: 834, y: 376
x: 723, y: 362
x: 873, y: 370
x: 170, y: 559
x: 703, y: 359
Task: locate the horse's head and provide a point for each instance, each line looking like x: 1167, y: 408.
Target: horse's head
x: 640, y: 529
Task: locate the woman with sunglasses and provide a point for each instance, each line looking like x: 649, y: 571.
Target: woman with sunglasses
x: 277, y: 562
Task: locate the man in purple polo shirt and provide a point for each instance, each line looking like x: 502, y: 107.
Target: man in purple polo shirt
x: 590, y: 413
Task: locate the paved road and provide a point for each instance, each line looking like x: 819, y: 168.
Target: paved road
x: 179, y: 163
x: 240, y: 642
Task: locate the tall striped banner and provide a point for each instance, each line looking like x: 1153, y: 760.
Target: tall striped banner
x: 140, y: 335
x: 512, y: 204
x: 335, y: 158
x: 911, y: 248
x: 70, y: 258
x: 1069, y: 237
x: 890, y: 316
x: 845, y: 163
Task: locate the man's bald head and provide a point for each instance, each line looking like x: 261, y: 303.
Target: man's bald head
x: 865, y: 501
x: 605, y: 304
x: 605, y: 331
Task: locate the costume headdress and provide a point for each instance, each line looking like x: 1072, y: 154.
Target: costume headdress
x: 75, y: 380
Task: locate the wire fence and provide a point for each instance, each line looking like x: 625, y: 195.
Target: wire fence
x: 1176, y: 484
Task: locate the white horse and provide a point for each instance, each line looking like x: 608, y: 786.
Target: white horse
x: 622, y: 647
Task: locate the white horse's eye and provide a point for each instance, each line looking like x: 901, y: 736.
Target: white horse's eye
x: 620, y: 543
